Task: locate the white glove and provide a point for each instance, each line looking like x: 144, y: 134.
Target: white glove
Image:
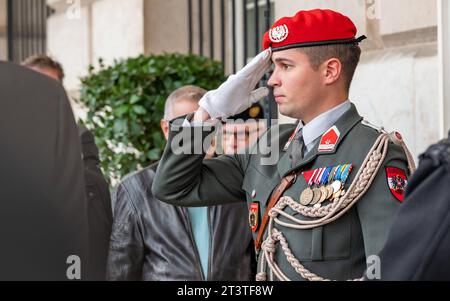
x: 236, y: 94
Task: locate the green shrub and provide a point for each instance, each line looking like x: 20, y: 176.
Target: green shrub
x: 125, y: 104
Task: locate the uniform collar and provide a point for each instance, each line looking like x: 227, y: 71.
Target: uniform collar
x: 319, y: 125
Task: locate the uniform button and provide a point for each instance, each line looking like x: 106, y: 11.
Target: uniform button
x: 253, y: 193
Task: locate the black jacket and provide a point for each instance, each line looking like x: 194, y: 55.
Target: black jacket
x: 99, y: 206
x: 43, y: 211
x: 153, y: 241
x: 418, y: 247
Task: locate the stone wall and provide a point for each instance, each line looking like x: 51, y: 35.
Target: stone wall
x: 396, y: 83
x: 107, y: 29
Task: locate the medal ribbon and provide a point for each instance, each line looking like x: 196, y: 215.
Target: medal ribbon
x: 325, y: 176
x: 346, y: 172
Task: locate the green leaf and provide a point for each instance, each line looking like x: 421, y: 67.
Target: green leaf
x: 134, y: 99
x: 140, y: 110
x: 120, y: 111
x: 120, y: 125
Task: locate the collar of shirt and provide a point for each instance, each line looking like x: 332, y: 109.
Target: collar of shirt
x: 317, y: 127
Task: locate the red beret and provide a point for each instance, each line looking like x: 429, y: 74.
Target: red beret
x: 311, y: 28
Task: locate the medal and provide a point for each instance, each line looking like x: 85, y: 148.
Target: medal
x: 324, y: 194
x: 330, y: 191
x: 323, y: 185
x: 317, y: 196
x: 331, y: 175
x: 336, y: 186
x: 337, y: 195
x: 306, y: 196
x: 318, y: 192
x: 346, y: 172
x: 341, y: 177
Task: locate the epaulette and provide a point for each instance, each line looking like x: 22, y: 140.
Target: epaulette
x: 371, y: 125
x: 439, y: 153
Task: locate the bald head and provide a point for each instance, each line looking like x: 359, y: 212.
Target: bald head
x: 183, y: 101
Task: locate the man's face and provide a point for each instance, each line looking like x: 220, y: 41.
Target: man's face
x: 180, y: 108
x: 48, y: 71
x: 184, y: 107
x: 297, y: 86
x: 238, y: 136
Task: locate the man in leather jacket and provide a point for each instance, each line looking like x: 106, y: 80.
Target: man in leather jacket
x: 155, y: 241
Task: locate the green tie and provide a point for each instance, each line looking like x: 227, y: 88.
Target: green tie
x: 297, y: 148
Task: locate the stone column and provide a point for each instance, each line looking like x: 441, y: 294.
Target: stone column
x: 81, y: 32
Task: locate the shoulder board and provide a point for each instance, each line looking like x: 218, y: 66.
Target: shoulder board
x: 371, y: 125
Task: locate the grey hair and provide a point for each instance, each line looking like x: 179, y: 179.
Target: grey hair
x: 189, y: 93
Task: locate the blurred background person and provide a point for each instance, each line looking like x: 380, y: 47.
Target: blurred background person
x: 97, y: 189
x: 153, y: 241
x: 45, y: 65
x: 242, y: 130
x: 43, y: 210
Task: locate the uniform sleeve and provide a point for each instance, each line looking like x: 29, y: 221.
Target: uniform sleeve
x: 183, y: 177
x: 378, y: 207
x: 126, y: 249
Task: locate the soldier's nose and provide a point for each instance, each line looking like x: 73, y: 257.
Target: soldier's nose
x: 273, y: 81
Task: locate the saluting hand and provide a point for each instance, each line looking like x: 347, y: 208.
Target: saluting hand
x: 237, y: 94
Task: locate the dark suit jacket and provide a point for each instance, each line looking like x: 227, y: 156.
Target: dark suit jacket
x: 43, y: 215
x: 99, y: 205
x: 418, y: 247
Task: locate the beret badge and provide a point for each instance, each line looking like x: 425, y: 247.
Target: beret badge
x: 279, y: 34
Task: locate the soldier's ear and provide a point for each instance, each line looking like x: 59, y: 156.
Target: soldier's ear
x: 332, y: 71
x: 165, y: 128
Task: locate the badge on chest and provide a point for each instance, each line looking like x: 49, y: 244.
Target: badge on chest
x: 253, y: 217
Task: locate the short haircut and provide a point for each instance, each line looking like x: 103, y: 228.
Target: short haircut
x: 45, y: 62
x: 348, y: 54
x: 189, y: 93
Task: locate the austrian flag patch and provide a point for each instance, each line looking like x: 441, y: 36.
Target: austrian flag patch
x: 397, y: 182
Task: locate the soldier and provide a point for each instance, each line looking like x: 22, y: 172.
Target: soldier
x: 419, y: 243
x: 327, y: 202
